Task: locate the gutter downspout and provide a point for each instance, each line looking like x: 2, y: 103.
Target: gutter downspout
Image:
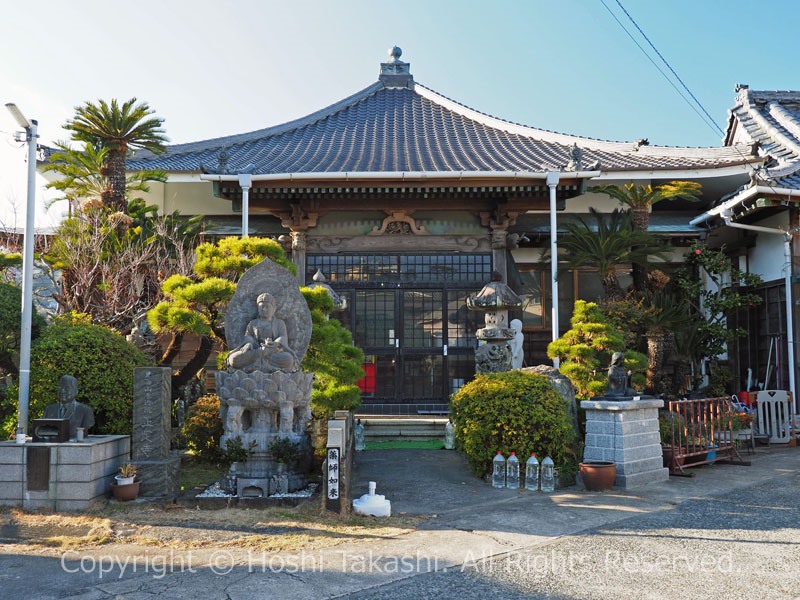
x: 245, y: 181
x: 552, y: 183
x: 787, y: 255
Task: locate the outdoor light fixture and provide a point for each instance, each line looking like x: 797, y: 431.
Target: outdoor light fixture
x: 31, y: 135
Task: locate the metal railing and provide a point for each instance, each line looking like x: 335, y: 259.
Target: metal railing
x: 701, y: 433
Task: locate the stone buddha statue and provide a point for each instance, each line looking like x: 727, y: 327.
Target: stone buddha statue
x: 618, y: 377
x: 265, y: 346
x: 79, y: 414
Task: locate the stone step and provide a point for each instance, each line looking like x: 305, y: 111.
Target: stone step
x: 399, y: 429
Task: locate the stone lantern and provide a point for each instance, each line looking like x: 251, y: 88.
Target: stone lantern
x: 495, y: 299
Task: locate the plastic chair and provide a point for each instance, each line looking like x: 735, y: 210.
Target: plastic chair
x: 774, y: 420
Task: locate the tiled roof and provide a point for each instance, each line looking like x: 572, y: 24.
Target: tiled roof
x: 771, y: 121
x: 410, y: 128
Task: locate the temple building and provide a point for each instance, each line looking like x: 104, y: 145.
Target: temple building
x: 407, y: 201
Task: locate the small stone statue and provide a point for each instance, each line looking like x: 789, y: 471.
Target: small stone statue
x: 265, y: 346
x: 618, y: 377
x: 517, y: 352
x: 79, y: 414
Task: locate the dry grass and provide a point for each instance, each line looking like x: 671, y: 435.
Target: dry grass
x: 306, y: 527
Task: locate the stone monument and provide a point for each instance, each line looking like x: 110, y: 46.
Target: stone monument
x: 263, y: 393
x: 158, y: 468
x: 494, y: 353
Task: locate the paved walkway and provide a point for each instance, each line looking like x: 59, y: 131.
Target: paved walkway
x: 730, y: 532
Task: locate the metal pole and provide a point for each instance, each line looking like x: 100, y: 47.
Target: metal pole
x: 245, y: 181
x: 31, y: 133
x: 552, y: 182
x: 787, y: 254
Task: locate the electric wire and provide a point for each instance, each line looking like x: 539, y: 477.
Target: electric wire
x: 664, y: 60
x: 705, y: 116
x: 713, y: 125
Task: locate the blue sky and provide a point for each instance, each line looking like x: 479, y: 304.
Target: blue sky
x: 213, y: 68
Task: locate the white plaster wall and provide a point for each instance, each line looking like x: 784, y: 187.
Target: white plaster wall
x: 766, y: 258
x: 190, y: 198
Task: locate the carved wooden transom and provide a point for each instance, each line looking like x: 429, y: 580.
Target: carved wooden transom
x: 399, y: 223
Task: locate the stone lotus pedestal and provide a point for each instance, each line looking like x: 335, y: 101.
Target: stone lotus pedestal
x: 259, y: 407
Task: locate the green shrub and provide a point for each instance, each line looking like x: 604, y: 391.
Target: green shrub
x: 333, y: 359
x: 103, y: 362
x: 203, y: 429
x: 10, y: 314
x: 512, y: 412
x: 585, y: 352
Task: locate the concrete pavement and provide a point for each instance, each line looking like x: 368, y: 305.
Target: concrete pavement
x: 729, y: 532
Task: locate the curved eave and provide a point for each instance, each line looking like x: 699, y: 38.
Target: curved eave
x: 405, y: 176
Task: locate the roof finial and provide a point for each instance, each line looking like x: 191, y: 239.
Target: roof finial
x: 396, y: 73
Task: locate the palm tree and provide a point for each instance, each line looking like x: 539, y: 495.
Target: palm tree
x: 640, y: 200
x: 607, y: 243
x: 117, y: 129
x: 81, y: 179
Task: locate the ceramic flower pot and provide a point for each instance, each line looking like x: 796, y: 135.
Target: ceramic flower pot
x: 598, y: 475
x: 127, y: 492
x: 671, y: 461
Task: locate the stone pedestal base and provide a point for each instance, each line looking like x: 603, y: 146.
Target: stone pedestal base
x: 159, y: 478
x: 627, y: 433
x: 68, y: 476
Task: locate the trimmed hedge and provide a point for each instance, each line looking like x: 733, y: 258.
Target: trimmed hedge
x: 103, y: 362
x: 512, y: 411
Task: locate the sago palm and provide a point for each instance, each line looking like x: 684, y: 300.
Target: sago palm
x: 118, y: 129
x: 81, y: 179
x: 640, y: 199
x: 607, y: 242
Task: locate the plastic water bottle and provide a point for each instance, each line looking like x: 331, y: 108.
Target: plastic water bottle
x: 361, y: 443
x: 512, y: 472
x: 449, y: 436
x: 499, y: 471
x: 548, y: 475
x: 532, y: 473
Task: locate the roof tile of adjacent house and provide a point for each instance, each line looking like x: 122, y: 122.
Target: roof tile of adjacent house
x: 769, y: 120
x: 389, y: 128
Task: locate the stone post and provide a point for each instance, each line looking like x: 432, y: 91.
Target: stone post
x: 625, y: 432
x: 158, y: 469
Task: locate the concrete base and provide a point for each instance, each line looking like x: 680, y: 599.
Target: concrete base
x: 68, y: 476
x: 626, y: 432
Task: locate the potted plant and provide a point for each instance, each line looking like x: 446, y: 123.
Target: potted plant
x: 670, y: 428
x: 284, y: 451
x: 126, y: 487
x: 126, y: 475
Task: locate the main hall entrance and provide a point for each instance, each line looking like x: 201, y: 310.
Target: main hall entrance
x: 408, y: 314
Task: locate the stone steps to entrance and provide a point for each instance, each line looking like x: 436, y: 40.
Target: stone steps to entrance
x: 385, y: 429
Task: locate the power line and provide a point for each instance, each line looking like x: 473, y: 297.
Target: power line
x: 706, y: 118
x: 664, y: 60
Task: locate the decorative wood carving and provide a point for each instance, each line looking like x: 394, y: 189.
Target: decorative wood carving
x: 399, y: 223
x: 400, y: 243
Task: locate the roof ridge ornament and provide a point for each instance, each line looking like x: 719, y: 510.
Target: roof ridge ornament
x: 396, y: 73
